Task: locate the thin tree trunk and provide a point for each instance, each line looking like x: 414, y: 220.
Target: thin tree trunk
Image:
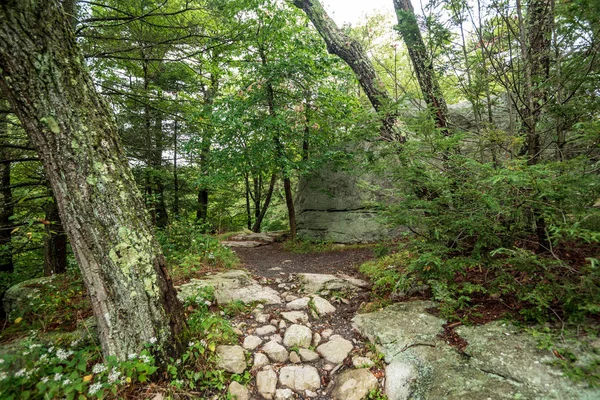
x: 175, y: 171
x: 279, y: 152
x: 55, y: 242
x: 353, y: 54
x: 70, y: 125
x: 248, y: 211
x: 423, y: 65
x: 289, y: 201
x: 265, y: 207
x: 160, y: 207
x: 6, y: 200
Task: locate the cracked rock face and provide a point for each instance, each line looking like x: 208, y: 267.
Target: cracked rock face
x: 275, y: 352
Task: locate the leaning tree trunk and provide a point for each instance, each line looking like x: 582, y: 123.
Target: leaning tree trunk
x: 353, y: 54
x: 43, y: 75
x: 423, y: 65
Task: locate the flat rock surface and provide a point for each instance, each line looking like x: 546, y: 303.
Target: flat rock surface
x: 499, y: 362
x: 231, y: 286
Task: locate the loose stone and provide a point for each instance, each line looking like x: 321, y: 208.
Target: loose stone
x: 231, y: 359
x: 307, y: 355
x: 266, y: 383
x: 238, y: 391
x: 283, y: 394
x: 297, y: 335
x: 265, y: 330
x: 252, y: 342
x: 316, y: 339
x: 300, y: 378
x: 294, y: 358
x: 260, y: 360
x: 295, y: 317
x: 354, y: 385
x: 275, y: 352
x: 298, y: 304
x: 336, y: 350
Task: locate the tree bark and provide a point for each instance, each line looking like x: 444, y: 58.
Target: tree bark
x: 55, y: 242
x: 43, y: 75
x: 423, y: 65
x: 353, y: 54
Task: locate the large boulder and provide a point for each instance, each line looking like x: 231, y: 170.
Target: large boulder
x: 333, y: 205
x: 19, y: 298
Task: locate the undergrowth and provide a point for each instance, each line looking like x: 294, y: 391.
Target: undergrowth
x: 190, y: 252
x: 71, y: 366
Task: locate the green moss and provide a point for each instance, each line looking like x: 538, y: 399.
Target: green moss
x: 51, y: 124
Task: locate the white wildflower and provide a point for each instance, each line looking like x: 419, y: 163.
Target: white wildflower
x: 57, y: 377
x: 94, y: 388
x: 131, y: 356
x: 34, y: 346
x: 145, y: 359
x: 99, y: 368
x: 211, y: 256
x: 51, y: 349
x: 66, y: 382
x: 113, y: 376
x: 1, y: 360
x: 74, y: 342
x: 3, y: 376
x: 45, y: 379
x: 43, y: 357
x: 63, y: 354
x: 20, y: 373
x: 191, y: 344
x: 152, y: 340
x: 203, y: 343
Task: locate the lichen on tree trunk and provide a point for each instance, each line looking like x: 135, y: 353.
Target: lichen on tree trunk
x: 44, y: 77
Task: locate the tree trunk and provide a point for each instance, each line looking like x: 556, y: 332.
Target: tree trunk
x: 6, y: 200
x: 265, y: 206
x: 423, y: 65
x: 280, y: 152
x: 289, y: 201
x: 44, y: 78
x: 160, y: 207
x: 55, y: 242
x: 248, y: 212
x: 353, y: 54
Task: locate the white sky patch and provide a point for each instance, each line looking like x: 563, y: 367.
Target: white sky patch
x: 352, y: 11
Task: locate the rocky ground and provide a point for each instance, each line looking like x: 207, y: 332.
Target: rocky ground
x: 307, y: 341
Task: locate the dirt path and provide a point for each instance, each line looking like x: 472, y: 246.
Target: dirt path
x: 272, y: 261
